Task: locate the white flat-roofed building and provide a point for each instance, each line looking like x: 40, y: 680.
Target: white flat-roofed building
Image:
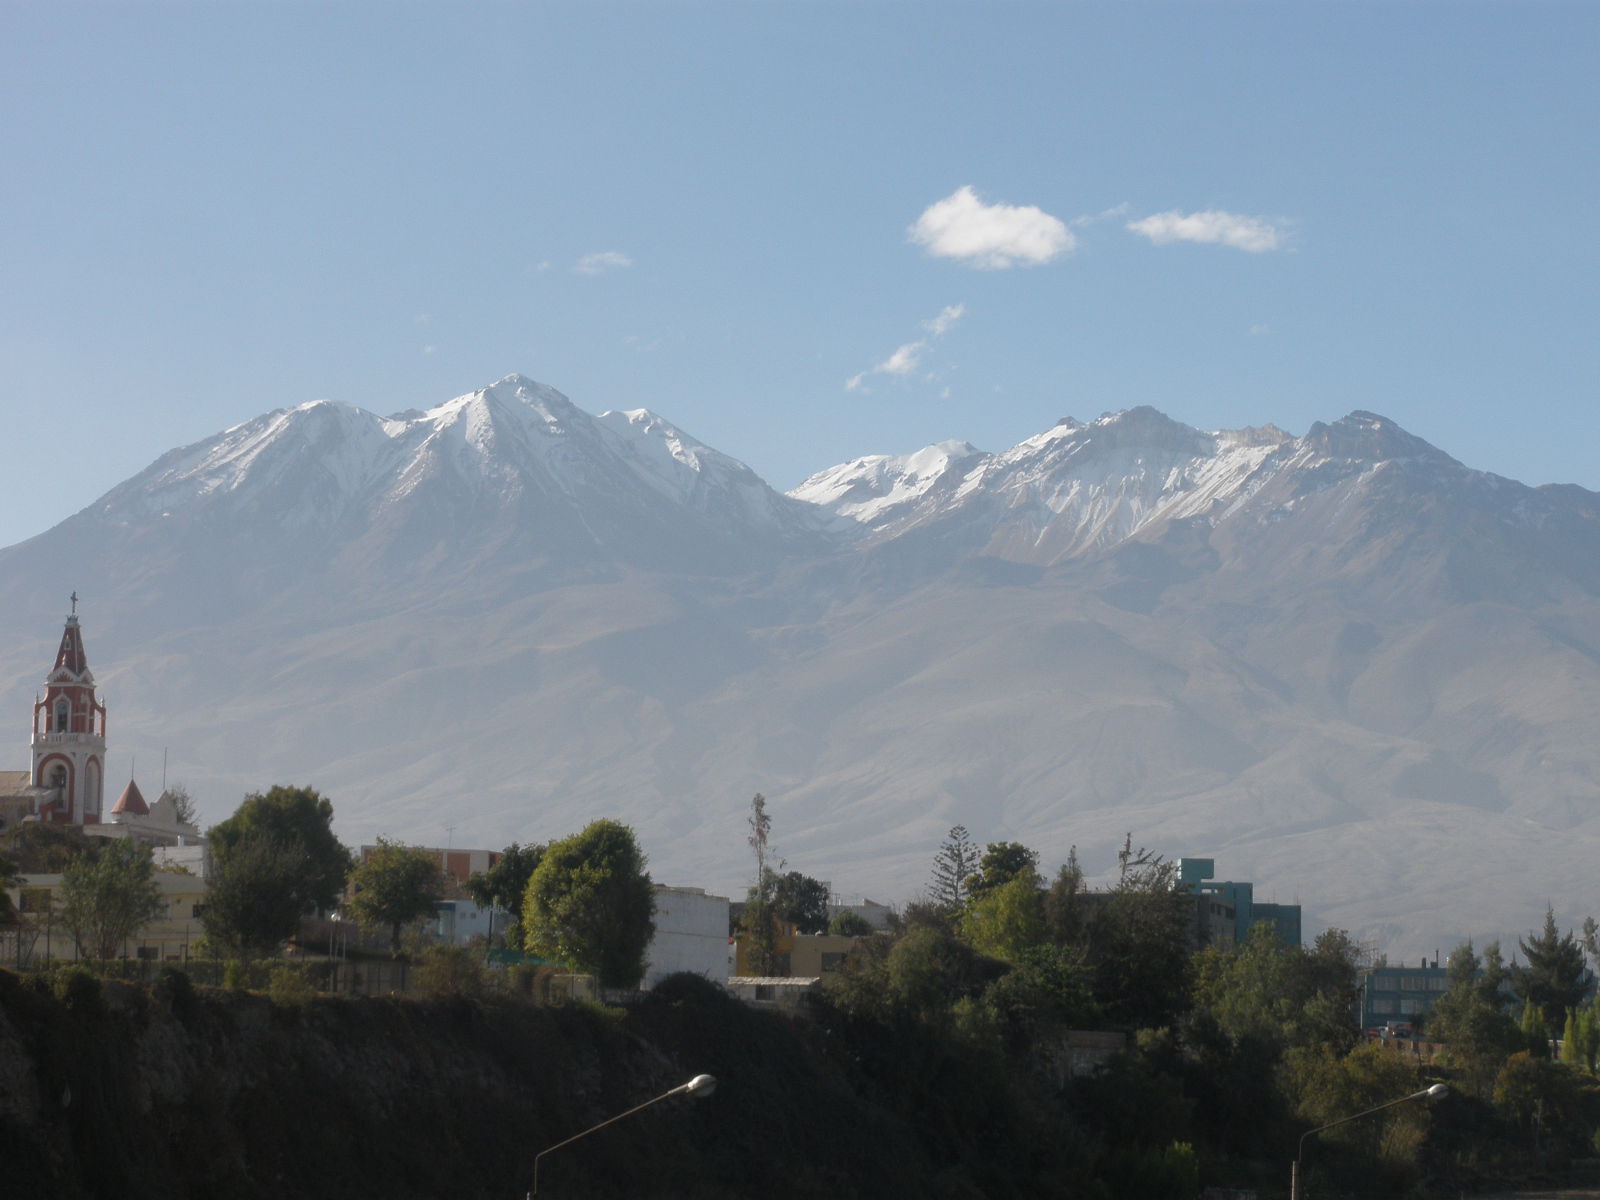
x: 691, y: 935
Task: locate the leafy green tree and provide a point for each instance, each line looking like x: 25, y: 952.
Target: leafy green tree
x: 1008, y: 919
x: 1470, y: 1016
x: 1139, y: 942
x: 590, y: 903
x: 1325, y: 1086
x: 953, y: 866
x: 850, y: 924
x: 504, y: 884
x: 1048, y: 988
x: 1284, y: 995
x: 254, y: 896
x: 109, y: 897
x: 1535, y: 1033
x: 291, y: 816
x: 1555, y: 978
x: 1001, y: 863
x: 1539, y: 1096
x: 395, y: 885
x: 800, y: 900
x: 40, y: 848
x: 1066, y: 914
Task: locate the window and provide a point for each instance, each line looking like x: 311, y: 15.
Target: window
x: 62, y: 712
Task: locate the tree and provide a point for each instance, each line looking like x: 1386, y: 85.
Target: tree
x: 40, y: 848
x: 590, y: 904
x: 504, y: 884
x: 956, y: 862
x: 1139, y: 941
x: 1470, y: 1016
x: 395, y: 885
x: 1065, y: 914
x: 1556, y: 978
x: 108, y: 897
x: 254, y: 897
x: 850, y: 924
x: 1283, y: 995
x: 183, y: 805
x: 291, y: 816
x: 1001, y: 863
x: 760, y: 923
x: 1006, y: 920
x: 800, y: 900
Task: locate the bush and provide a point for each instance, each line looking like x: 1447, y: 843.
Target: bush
x: 78, y: 988
x: 177, y: 990
x: 239, y: 975
x: 450, y: 972
x: 289, y: 987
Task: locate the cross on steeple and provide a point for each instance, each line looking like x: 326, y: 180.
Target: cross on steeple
x: 74, y: 603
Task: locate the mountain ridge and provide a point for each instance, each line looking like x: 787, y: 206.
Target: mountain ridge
x: 1343, y: 662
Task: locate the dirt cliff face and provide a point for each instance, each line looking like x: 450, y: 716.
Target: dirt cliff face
x: 109, y: 1089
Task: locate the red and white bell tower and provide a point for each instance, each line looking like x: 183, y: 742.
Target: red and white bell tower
x: 69, y: 736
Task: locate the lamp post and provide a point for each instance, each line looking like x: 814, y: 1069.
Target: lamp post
x: 1429, y: 1093
x: 700, y: 1085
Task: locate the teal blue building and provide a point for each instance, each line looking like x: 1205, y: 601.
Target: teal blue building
x: 1197, y: 875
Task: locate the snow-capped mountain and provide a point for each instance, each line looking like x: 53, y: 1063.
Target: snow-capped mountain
x: 1343, y: 664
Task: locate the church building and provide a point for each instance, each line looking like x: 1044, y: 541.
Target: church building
x: 67, y: 783
x: 69, y: 736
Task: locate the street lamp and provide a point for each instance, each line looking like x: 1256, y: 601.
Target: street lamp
x: 1430, y: 1093
x: 700, y: 1085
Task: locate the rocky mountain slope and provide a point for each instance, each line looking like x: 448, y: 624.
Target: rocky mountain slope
x: 1343, y: 664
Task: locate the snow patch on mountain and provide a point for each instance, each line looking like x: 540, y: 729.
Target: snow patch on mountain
x: 878, y: 488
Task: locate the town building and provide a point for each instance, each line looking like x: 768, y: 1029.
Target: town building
x: 691, y: 935
x: 66, y: 784
x: 1399, y: 998
x: 69, y: 737
x: 1226, y: 911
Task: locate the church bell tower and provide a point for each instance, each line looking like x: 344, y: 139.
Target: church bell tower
x: 69, y: 736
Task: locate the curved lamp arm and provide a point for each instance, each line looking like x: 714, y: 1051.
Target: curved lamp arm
x: 700, y: 1085
x: 1428, y: 1093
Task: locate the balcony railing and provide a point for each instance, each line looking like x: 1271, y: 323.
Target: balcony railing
x: 63, y: 739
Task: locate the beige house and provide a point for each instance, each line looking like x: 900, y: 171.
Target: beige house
x: 42, y: 934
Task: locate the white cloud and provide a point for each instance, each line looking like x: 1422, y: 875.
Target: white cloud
x: 1212, y: 227
x: 605, y: 260
x: 904, y: 360
x: 907, y: 358
x: 990, y: 236
x: 948, y: 316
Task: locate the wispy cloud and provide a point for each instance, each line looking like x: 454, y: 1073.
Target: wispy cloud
x: 1255, y: 235
x: 990, y: 236
x: 907, y: 358
x: 605, y: 260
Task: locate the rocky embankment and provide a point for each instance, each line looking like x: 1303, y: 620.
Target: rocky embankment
x: 169, y: 1092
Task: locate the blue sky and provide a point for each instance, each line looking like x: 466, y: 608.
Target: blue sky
x: 802, y: 231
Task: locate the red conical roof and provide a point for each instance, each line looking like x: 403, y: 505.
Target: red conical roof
x: 131, y: 801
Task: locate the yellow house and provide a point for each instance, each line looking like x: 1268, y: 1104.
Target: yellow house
x: 42, y: 935
x: 801, y: 955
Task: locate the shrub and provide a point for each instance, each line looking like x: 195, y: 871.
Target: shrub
x: 289, y: 987
x: 450, y: 972
x: 78, y: 988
